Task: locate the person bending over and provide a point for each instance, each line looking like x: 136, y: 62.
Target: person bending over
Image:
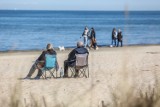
x: 72, y: 58
x: 40, y: 62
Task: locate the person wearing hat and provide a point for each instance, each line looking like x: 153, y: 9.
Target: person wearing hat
x: 72, y: 57
x: 40, y: 62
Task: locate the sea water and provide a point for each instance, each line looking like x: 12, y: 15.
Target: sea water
x: 30, y: 30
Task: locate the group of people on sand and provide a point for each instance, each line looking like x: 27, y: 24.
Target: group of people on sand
x: 71, y: 60
x: 117, y: 38
x: 89, y: 37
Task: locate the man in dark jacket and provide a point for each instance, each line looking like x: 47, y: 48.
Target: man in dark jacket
x: 72, y: 57
x: 119, y: 37
x: 40, y: 62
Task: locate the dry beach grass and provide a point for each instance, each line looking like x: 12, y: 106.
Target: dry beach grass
x: 119, y: 77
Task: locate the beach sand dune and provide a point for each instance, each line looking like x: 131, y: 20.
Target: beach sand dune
x: 111, y: 69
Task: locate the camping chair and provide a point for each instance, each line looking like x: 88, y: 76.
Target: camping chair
x: 50, y: 65
x: 81, y: 65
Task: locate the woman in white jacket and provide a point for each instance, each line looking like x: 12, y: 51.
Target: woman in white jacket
x: 85, y: 36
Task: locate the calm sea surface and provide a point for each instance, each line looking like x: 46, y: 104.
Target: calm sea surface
x: 28, y: 30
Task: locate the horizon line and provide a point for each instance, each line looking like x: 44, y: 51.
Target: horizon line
x: 68, y: 10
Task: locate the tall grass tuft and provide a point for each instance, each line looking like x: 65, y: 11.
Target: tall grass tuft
x: 150, y: 98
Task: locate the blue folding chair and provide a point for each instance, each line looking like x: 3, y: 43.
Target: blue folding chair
x: 50, y: 65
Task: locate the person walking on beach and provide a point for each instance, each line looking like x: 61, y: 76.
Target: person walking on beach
x: 93, y: 39
x: 85, y: 36
x: 114, y: 37
x: 89, y: 37
x: 40, y: 62
x: 119, y: 37
x: 72, y: 58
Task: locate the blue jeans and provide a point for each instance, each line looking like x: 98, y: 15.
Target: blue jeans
x: 114, y: 41
x: 85, y: 41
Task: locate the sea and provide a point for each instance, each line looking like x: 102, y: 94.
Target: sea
x: 32, y: 29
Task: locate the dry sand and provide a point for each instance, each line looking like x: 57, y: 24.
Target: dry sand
x: 134, y: 66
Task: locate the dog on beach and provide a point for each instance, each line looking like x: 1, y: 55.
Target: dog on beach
x: 61, y: 48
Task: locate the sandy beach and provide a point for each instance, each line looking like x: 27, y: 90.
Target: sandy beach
x: 111, y: 69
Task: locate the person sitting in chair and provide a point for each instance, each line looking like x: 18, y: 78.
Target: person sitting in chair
x: 72, y: 58
x: 40, y: 62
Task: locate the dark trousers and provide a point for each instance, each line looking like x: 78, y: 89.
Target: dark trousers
x: 33, y: 69
x: 120, y: 42
x: 66, y: 64
x: 69, y: 64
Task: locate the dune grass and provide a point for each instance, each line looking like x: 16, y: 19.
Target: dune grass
x: 123, y: 97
